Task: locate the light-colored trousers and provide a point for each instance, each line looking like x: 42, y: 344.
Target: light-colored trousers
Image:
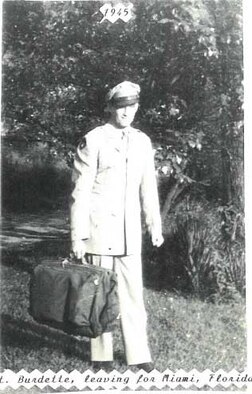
x: 132, y: 311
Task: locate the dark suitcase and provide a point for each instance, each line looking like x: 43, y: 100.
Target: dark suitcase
x: 80, y: 299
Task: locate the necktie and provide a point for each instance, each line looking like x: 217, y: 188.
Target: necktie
x: 125, y: 138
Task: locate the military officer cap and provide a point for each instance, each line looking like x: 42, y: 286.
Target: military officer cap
x: 126, y: 93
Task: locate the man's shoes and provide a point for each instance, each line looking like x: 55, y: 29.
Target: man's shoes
x: 147, y: 367
x: 107, y: 366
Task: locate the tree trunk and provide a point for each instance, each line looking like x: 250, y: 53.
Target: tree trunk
x: 171, y: 197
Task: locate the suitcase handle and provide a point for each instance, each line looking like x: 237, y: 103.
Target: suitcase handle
x: 72, y: 260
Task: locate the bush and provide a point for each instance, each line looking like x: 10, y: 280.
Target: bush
x: 196, y: 258
x: 231, y: 260
x: 230, y: 273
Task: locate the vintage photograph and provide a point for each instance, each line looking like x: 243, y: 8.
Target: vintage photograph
x: 122, y: 152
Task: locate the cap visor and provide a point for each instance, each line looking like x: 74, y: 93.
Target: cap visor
x: 120, y: 102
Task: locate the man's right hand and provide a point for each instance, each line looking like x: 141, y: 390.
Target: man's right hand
x: 79, y: 249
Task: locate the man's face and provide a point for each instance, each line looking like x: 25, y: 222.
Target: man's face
x: 123, y: 117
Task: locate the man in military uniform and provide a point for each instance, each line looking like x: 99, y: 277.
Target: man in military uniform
x: 114, y: 179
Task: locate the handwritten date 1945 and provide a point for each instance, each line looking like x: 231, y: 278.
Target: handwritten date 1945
x: 118, y: 11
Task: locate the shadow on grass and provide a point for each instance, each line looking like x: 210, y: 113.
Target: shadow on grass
x: 33, y: 336
x: 159, y: 270
x: 26, y: 258
x: 30, y: 337
x: 162, y: 270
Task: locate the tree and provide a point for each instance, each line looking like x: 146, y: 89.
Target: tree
x: 58, y: 62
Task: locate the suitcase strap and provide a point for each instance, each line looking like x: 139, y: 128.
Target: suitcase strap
x: 74, y: 262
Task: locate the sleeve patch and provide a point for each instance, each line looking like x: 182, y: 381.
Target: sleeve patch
x: 83, y: 143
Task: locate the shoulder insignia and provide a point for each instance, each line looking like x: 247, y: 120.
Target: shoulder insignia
x: 83, y: 143
x: 138, y: 131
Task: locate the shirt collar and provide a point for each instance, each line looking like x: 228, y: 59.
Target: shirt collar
x: 114, y: 131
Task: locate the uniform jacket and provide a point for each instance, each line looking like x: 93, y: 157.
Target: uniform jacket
x: 114, y: 180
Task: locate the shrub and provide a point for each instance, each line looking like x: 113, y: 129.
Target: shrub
x: 229, y: 269
x: 231, y: 262
x: 196, y: 256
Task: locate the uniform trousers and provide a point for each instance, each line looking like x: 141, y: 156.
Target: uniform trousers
x: 132, y: 311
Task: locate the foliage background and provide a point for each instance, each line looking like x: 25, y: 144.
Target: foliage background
x: 58, y: 63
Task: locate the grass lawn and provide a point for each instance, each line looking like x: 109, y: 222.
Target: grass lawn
x: 184, y: 333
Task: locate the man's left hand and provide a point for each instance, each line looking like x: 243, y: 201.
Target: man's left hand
x: 157, y: 239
